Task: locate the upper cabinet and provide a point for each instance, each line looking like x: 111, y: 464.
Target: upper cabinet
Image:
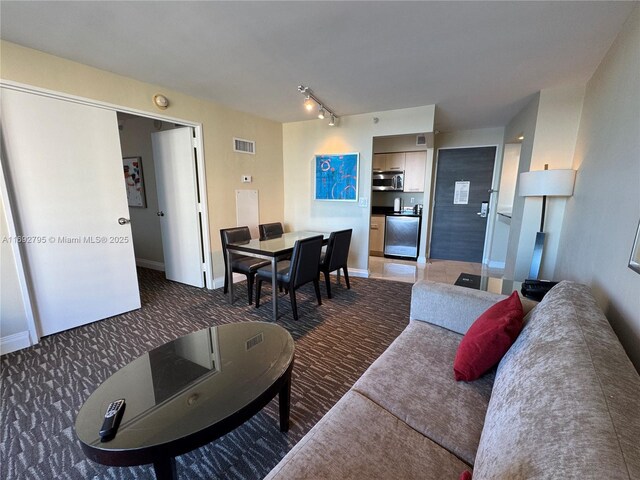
x: 379, y: 162
x: 388, y: 162
x: 395, y: 161
x: 415, y: 165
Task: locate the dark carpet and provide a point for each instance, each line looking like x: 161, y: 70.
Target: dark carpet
x: 43, y: 387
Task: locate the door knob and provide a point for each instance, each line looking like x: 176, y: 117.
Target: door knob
x: 123, y: 221
x: 160, y: 213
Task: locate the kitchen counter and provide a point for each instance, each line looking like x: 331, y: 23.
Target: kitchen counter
x: 389, y: 211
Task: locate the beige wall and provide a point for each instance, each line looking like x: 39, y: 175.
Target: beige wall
x: 601, y: 218
x: 224, y: 167
x: 355, y: 133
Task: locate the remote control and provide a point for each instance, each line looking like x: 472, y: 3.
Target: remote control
x: 112, y: 420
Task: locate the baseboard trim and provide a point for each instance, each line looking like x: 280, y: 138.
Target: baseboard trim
x: 152, y: 264
x: 358, y: 272
x: 12, y: 343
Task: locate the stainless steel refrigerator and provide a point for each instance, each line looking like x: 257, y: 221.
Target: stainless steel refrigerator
x: 402, y: 236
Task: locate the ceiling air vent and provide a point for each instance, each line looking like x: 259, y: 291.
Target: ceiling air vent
x: 421, y: 140
x: 244, y: 146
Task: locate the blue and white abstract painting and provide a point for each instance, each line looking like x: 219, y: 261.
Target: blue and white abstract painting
x: 337, y: 177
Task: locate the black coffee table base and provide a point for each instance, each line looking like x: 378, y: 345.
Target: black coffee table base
x: 163, y: 457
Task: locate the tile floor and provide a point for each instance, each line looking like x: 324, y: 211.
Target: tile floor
x: 445, y: 271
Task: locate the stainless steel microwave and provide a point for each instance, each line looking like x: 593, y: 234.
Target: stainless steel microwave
x: 388, y: 182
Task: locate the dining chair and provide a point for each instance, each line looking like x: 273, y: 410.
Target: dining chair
x: 270, y: 230
x: 335, y: 258
x: 292, y: 274
x: 240, y: 263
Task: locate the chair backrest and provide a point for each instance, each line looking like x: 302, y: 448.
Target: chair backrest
x: 305, y: 261
x: 232, y: 235
x: 338, y: 249
x: 270, y: 230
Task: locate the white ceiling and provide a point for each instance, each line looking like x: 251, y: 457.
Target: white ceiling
x: 478, y: 62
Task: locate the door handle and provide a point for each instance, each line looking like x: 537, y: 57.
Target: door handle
x: 123, y: 221
x: 484, y: 209
x: 160, y: 213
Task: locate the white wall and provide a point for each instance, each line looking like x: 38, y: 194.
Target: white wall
x: 554, y: 144
x: 519, y: 260
x: 549, y: 124
x: 355, y: 133
x: 601, y: 218
x: 479, y: 138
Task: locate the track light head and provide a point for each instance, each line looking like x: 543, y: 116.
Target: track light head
x: 308, y: 103
x: 321, y: 112
x: 332, y: 122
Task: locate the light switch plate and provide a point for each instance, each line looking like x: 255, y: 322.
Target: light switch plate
x: 363, y: 202
x: 246, y: 179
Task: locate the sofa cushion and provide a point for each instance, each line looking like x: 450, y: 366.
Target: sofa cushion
x: 414, y: 382
x: 358, y: 439
x: 488, y: 339
x: 566, y: 398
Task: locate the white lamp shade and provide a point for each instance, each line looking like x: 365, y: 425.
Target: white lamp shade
x: 553, y: 183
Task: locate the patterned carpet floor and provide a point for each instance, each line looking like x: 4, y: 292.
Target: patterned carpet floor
x: 43, y: 387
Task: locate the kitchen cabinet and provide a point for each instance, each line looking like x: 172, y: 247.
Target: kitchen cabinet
x: 379, y: 162
x: 376, y: 235
x: 395, y: 161
x: 415, y: 165
x: 388, y: 162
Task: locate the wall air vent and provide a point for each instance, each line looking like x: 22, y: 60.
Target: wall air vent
x: 421, y: 140
x: 244, y: 146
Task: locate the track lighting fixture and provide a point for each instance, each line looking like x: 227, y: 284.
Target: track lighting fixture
x: 308, y: 103
x: 311, y: 100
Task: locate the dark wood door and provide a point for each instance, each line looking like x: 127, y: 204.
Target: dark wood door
x: 458, y: 232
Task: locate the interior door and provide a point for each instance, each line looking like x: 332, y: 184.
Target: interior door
x: 177, y: 184
x: 64, y: 172
x: 462, y: 195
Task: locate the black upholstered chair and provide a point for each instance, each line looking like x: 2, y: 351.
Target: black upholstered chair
x: 270, y: 230
x: 240, y: 263
x: 300, y: 270
x: 336, y: 257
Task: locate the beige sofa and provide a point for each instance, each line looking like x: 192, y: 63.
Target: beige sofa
x: 564, y: 402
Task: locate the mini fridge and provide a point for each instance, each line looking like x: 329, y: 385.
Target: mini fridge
x: 402, y: 236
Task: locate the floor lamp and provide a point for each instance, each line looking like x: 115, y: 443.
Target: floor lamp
x: 544, y: 183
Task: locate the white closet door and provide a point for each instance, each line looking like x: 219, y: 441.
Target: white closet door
x: 176, y: 179
x: 64, y: 168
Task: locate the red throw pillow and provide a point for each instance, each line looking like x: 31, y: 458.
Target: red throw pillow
x: 466, y: 475
x: 488, y: 339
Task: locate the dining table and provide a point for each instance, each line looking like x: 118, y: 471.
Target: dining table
x: 272, y: 249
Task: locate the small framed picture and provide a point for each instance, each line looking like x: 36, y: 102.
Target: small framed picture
x: 634, y: 261
x: 134, y: 181
x: 336, y: 177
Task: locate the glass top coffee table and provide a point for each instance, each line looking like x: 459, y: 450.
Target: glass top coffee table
x: 188, y: 392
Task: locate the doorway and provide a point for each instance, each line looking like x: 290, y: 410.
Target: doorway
x: 461, y: 203
x: 163, y: 197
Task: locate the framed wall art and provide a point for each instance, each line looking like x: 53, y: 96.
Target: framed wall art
x: 134, y: 181
x: 336, y: 177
